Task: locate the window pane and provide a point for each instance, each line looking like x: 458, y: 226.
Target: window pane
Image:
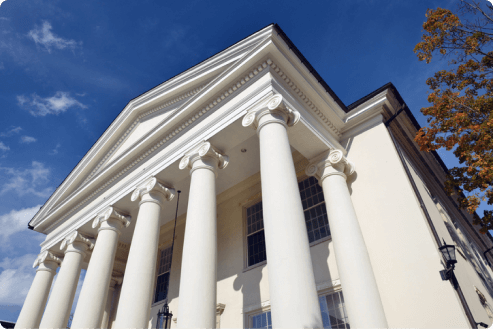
x: 312, y: 199
x: 256, y: 248
x: 333, y: 311
x: 262, y: 320
x: 255, y: 218
x: 165, y: 261
x: 162, y: 287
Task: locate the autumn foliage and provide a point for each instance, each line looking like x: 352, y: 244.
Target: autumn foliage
x: 460, y: 117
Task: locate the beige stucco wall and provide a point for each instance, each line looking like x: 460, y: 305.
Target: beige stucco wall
x: 404, y: 255
x: 467, y: 261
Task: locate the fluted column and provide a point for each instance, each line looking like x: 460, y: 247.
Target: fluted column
x: 62, y: 296
x: 92, y: 299
x: 109, y: 300
x: 361, y: 295
x: 197, y: 302
x: 36, y: 298
x: 293, y: 293
x: 135, y: 300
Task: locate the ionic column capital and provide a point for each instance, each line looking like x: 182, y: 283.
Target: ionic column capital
x: 46, y: 261
x: 274, y: 110
x: 330, y: 163
x: 109, y: 217
x: 209, y: 157
x: 76, y: 242
x: 153, y: 186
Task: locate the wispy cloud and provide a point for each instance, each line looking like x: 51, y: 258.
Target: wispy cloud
x: 12, y: 131
x: 55, y: 150
x: 39, y: 106
x: 44, y: 37
x: 4, y: 147
x: 16, y: 273
x: 16, y: 221
x: 27, y: 181
x: 27, y: 139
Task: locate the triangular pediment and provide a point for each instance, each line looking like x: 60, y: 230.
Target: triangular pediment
x: 144, y: 114
x: 171, y: 107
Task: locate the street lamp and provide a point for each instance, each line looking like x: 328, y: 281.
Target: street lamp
x: 448, y: 252
x: 164, y: 317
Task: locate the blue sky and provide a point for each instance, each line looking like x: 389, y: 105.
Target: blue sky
x: 67, y: 68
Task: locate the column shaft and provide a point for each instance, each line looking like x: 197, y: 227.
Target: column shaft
x: 134, y: 306
x: 197, y: 302
x: 361, y: 295
x: 292, y: 286
x: 58, y: 309
x: 92, y: 299
x: 107, y: 308
x: 34, y: 305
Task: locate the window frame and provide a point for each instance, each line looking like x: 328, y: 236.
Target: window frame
x: 332, y: 290
x: 301, y: 178
x: 158, y: 265
x: 245, y: 206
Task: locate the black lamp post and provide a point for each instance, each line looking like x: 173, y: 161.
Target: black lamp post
x: 164, y: 317
x: 448, y: 252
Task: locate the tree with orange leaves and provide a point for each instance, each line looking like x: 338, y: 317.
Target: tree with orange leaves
x: 460, y: 117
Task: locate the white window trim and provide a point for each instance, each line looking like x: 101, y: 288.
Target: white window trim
x: 158, y: 263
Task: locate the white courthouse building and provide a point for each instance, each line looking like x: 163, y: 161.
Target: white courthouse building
x: 296, y: 211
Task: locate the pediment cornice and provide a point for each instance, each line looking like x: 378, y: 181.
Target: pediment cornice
x: 192, y: 105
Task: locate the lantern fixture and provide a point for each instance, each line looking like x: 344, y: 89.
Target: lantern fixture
x: 448, y: 253
x: 164, y: 317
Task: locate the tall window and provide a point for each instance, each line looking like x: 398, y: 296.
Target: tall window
x: 333, y: 310
x: 261, y: 320
x: 317, y: 223
x: 255, y: 235
x: 334, y: 313
x: 312, y: 198
x: 163, y: 275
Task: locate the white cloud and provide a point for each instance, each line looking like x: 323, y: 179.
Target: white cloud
x: 56, y: 104
x: 4, y: 147
x: 13, y: 130
x: 16, y: 221
x: 55, y: 150
x: 2, y: 1
x: 28, y: 139
x: 27, y: 181
x: 43, y: 36
x: 16, y: 278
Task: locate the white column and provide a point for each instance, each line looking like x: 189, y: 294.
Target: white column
x: 361, y: 296
x: 36, y: 298
x: 109, y: 301
x: 92, y: 299
x: 293, y: 293
x: 62, y: 296
x: 138, y: 282
x: 197, y: 302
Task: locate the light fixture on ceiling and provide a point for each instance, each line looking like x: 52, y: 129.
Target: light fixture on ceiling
x: 243, y: 150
